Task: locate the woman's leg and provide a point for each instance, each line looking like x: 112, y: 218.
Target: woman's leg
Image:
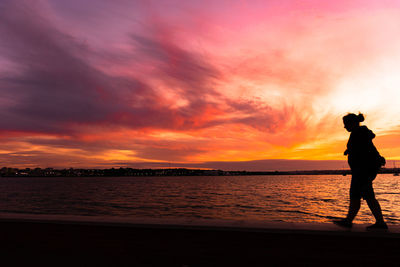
x: 354, y: 207
x: 376, y: 210
x: 355, y: 195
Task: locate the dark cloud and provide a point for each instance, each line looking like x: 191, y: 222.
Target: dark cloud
x: 54, y: 84
x: 55, y: 88
x: 178, y: 66
x: 33, y: 158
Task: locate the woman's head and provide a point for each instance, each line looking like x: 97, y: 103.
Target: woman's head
x: 352, y: 121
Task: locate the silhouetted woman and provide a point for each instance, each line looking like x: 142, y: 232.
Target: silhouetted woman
x: 364, y: 161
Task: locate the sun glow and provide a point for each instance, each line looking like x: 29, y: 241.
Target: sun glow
x: 374, y: 93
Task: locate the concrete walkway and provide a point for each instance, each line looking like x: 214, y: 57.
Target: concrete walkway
x: 53, y: 240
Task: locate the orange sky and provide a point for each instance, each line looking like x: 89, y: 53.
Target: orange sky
x: 127, y: 83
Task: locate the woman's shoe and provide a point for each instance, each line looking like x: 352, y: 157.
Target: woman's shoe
x: 377, y: 226
x: 343, y: 223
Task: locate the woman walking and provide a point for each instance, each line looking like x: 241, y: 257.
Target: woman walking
x: 364, y: 161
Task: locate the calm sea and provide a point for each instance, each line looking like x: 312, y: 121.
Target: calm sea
x: 310, y: 198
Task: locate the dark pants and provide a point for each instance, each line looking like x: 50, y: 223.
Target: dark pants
x: 361, y: 184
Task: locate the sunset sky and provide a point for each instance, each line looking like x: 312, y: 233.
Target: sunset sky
x: 99, y: 83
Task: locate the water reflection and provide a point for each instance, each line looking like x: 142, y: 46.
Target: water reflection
x: 265, y: 198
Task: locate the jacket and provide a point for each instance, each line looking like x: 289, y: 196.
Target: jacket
x: 362, y: 153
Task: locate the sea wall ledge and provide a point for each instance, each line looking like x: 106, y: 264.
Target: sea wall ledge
x: 120, y: 241
x: 199, y: 224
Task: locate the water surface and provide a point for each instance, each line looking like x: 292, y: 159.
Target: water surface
x: 308, y: 198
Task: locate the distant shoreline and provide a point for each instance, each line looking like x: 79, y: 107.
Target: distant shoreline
x: 121, y: 172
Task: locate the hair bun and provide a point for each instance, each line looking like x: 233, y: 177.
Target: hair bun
x: 360, y: 117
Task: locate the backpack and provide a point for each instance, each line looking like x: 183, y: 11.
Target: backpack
x: 381, y: 161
